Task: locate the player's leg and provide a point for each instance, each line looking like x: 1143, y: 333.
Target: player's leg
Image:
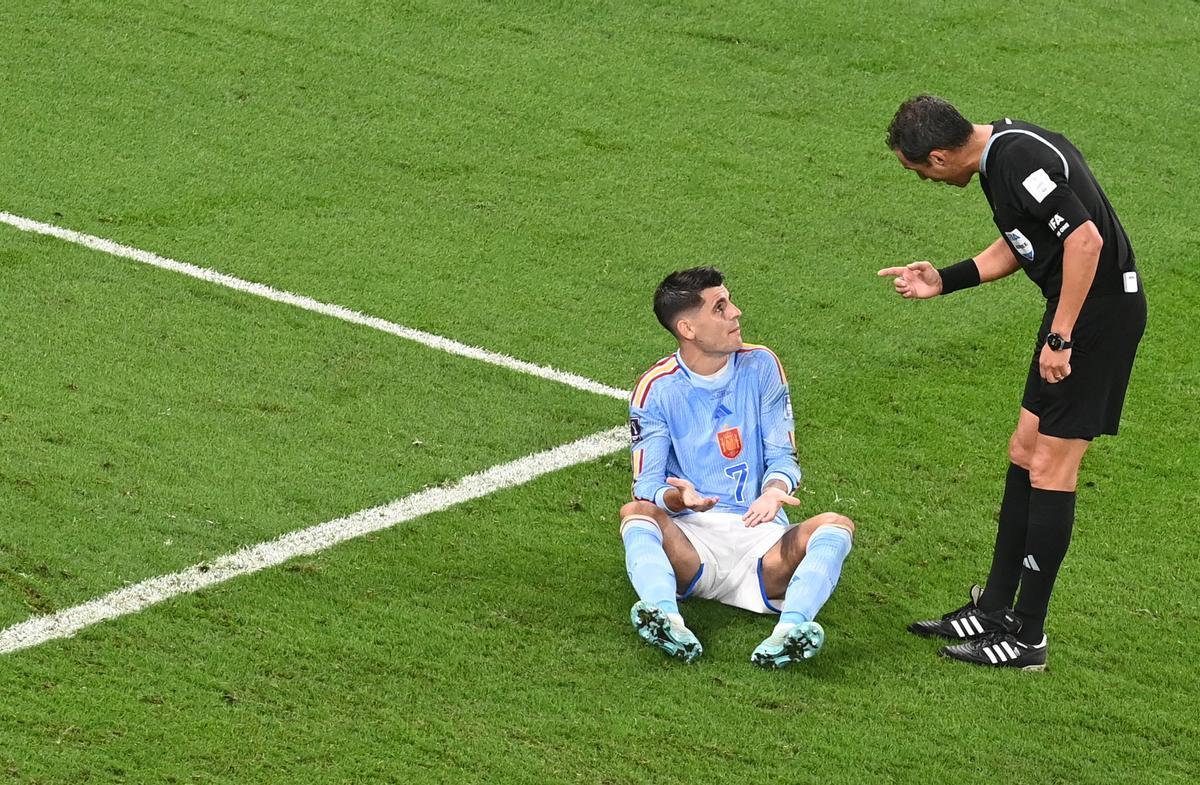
x: 1021, y: 642
x: 1054, y: 474
x: 657, y: 553
x: 804, y: 566
x: 981, y: 614
x: 1011, y: 529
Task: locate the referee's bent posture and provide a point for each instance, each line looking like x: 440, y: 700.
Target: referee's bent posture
x: 1058, y: 226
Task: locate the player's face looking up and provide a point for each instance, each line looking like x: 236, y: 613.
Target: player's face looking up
x: 713, y: 326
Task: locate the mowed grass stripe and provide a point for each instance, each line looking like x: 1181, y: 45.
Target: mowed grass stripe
x: 438, y: 342
x: 150, y: 422
x: 306, y: 542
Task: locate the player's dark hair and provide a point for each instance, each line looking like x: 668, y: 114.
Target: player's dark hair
x: 680, y: 291
x: 924, y: 123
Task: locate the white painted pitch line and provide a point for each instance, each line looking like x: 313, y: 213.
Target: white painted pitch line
x: 309, y: 304
x: 139, y: 596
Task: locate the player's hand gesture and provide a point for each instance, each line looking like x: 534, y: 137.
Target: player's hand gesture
x: 688, y: 496
x: 767, y: 506
x: 917, y: 281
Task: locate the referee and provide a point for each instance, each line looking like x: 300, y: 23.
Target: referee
x: 1057, y: 225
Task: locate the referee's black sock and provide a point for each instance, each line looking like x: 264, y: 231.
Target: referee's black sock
x: 1010, y: 542
x: 1051, y: 517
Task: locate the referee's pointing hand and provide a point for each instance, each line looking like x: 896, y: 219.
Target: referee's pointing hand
x: 917, y: 281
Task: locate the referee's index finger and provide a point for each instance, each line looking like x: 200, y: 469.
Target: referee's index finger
x: 892, y: 271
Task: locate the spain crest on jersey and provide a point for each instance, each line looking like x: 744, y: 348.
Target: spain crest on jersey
x: 730, y: 442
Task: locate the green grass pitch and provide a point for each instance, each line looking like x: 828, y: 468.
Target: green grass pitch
x: 519, y: 176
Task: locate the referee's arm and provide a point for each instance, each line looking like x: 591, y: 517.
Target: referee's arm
x: 996, y: 261
x: 1081, y: 255
x: 921, y: 280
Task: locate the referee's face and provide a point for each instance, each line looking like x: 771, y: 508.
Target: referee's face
x: 941, y: 167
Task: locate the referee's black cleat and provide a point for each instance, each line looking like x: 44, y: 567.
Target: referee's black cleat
x: 1000, y: 650
x: 961, y: 625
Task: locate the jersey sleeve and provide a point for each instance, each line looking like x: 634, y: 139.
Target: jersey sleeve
x: 650, y: 448
x: 778, y: 425
x: 1039, y: 179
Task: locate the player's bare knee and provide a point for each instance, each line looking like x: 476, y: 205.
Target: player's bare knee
x: 639, y: 509
x: 1047, y: 473
x: 834, y: 519
x: 1020, y: 452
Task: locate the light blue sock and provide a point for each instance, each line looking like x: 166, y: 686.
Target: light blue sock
x: 817, y: 574
x: 647, y: 564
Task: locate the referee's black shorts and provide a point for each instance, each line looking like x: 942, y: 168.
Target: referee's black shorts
x: 1104, y: 341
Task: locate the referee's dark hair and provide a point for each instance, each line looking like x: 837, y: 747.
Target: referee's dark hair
x: 924, y: 123
x: 680, y: 291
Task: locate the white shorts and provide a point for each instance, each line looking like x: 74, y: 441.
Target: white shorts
x: 730, y: 559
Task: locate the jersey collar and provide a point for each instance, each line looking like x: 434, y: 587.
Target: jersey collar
x: 713, y: 382
x: 987, y: 147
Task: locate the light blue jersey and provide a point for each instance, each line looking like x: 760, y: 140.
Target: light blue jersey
x: 727, y: 434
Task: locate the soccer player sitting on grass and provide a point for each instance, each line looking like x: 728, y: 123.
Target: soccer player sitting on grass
x: 713, y: 465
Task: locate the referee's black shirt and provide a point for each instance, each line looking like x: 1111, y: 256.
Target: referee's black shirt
x: 1041, y: 190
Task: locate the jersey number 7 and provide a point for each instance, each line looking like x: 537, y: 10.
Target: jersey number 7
x: 739, y: 472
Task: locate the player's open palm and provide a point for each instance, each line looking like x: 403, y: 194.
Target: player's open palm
x: 689, y: 497
x: 916, y: 281
x: 767, y: 506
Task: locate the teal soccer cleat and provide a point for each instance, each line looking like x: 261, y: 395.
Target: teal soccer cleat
x: 801, y: 642
x: 653, y: 626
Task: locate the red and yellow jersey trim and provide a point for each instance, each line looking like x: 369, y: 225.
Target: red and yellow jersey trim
x: 641, y: 390
x: 639, y: 460
x: 751, y: 347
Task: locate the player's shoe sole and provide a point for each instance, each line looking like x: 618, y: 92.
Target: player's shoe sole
x: 653, y: 626
x: 801, y: 642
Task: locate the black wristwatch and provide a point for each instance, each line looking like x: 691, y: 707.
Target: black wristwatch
x: 1056, y: 342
